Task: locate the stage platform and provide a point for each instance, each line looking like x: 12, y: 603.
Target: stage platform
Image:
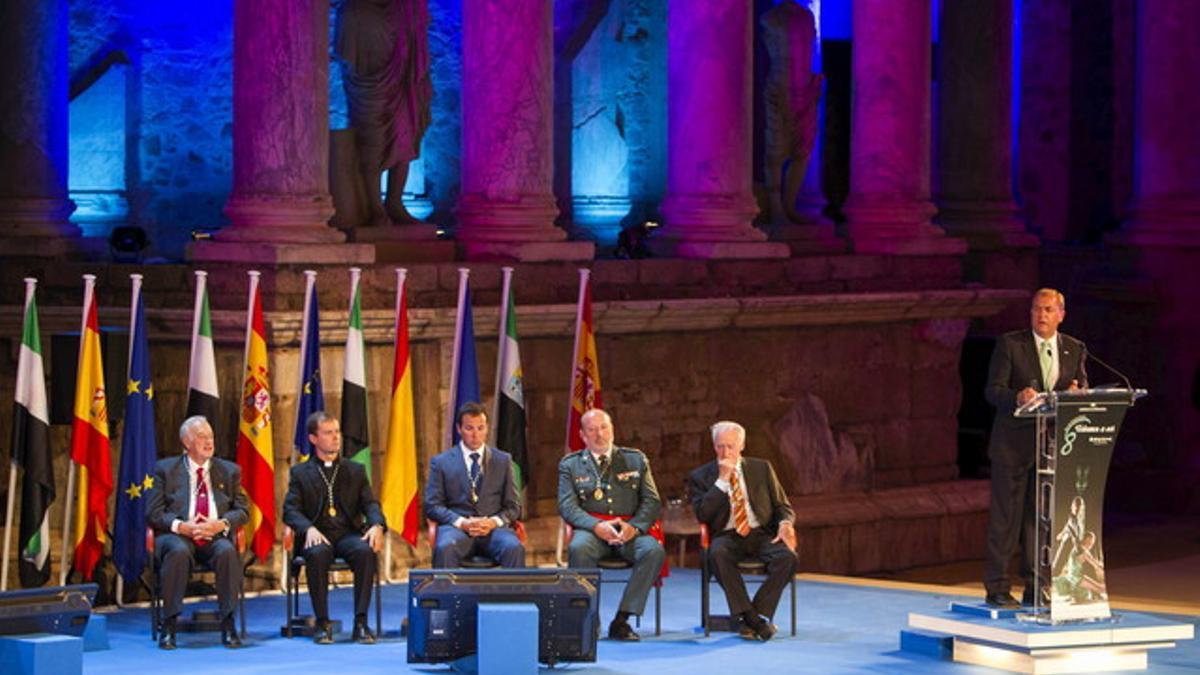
x: 844, y: 626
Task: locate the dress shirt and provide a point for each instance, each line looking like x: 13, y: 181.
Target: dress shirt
x: 727, y: 487
x: 1042, y: 343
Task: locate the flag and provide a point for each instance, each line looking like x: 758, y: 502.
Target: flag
x: 89, y: 443
x: 356, y: 436
x: 311, y: 397
x: 31, y: 451
x: 135, y: 478
x: 203, y: 396
x: 464, y: 370
x: 255, y: 454
x: 399, y: 489
x: 585, y: 372
x: 510, y: 395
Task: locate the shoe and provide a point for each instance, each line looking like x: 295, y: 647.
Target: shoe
x: 362, y: 635
x: 166, y: 638
x: 761, y: 632
x: 323, y: 633
x: 229, y: 634
x: 1003, y: 600
x: 621, y: 630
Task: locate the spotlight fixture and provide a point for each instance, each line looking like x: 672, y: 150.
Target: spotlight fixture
x: 127, y: 242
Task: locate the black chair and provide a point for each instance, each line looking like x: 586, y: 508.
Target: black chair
x: 616, y: 562
x: 200, y: 620
x: 474, y: 562
x: 305, y: 624
x: 745, y: 567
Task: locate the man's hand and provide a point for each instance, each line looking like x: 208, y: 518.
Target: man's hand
x: 1074, y: 386
x: 725, y: 468
x: 1025, y: 395
x: 480, y: 527
x: 628, y: 532
x: 210, y: 529
x: 787, y: 534
x: 373, y: 537
x: 314, y: 538
x: 606, y: 530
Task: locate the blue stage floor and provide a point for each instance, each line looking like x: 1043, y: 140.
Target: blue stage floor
x: 842, y: 628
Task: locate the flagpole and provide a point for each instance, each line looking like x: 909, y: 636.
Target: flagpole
x: 89, y: 283
x: 30, y: 287
x: 310, y: 287
x: 501, y: 337
x: 463, y: 273
x: 584, y: 273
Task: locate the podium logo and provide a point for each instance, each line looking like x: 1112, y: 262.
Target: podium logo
x: 1082, y: 424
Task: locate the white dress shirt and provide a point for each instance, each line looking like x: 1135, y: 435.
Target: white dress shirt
x: 727, y: 487
x: 1042, y: 344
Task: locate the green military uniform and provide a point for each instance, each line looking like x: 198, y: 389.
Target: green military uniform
x: 623, y: 488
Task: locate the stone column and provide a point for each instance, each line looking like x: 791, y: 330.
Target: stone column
x: 507, y: 208
x: 975, y: 148
x: 280, y: 204
x: 1166, y: 182
x: 888, y: 210
x: 710, y: 202
x: 33, y: 129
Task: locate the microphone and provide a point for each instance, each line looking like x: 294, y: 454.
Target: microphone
x: 1092, y: 356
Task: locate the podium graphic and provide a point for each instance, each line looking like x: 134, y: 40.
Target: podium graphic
x: 1076, y: 431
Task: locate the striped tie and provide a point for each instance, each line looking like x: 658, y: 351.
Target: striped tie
x: 741, y: 518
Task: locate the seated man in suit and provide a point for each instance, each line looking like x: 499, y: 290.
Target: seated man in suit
x: 608, y: 495
x: 472, y: 496
x: 746, y: 509
x: 195, y: 508
x: 330, y: 506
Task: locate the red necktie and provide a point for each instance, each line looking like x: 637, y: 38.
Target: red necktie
x: 201, y: 501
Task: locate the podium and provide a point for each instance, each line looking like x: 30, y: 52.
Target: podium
x: 1076, y: 431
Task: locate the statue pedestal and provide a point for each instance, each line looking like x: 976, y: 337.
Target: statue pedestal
x: 280, y: 253
x: 408, y: 242
x: 809, y: 239
x: 529, y: 251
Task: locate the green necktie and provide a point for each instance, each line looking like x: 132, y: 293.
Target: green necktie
x: 1047, y: 360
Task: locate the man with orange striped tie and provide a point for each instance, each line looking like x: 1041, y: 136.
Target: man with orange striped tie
x: 746, y: 509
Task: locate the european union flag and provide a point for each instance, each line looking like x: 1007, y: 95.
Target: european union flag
x: 311, y: 398
x: 466, y: 386
x: 138, y: 450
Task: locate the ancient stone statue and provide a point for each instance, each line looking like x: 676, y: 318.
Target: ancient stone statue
x: 383, y: 49
x: 791, y: 93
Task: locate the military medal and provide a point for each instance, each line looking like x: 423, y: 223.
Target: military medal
x: 598, y: 494
x: 332, y: 511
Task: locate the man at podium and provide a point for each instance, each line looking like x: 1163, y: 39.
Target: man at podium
x: 1024, y: 363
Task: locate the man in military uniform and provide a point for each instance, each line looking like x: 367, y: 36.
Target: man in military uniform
x: 608, y: 495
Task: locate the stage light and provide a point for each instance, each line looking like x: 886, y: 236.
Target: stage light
x: 127, y: 242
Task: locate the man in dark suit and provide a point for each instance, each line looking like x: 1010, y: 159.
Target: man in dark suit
x: 196, y: 505
x: 472, y: 496
x: 608, y: 495
x: 330, y: 506
x: 1024, y: 363
x: 745, y: 507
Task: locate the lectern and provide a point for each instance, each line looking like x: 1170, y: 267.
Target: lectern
x: 1076, y: 431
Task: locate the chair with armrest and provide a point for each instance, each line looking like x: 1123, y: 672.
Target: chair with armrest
x: 305, y: 624
x: 474, y: 562
x: 746, y: 567
x: 155, y: 587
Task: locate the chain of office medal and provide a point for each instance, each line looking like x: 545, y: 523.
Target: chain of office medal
x: 329, y: 486
x: 598, y: 494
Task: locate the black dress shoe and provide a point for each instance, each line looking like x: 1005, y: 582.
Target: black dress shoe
x: 761, y: 631
x: 363, y: 635
x: 1003, y: 600
x: 166, y: 636
x: 323, y: 633
x: 229, y: 634
x: 621, y: 630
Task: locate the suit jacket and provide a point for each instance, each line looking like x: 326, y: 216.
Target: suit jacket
x: 1015, y: 366
x: 307, y: 497
x: 767, y: 497
x: 171, y: 496
x: 629, y: 491
x: 448, y: 490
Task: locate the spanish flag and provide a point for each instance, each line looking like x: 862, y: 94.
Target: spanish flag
x: 89, y: 442
x: 585, y: 371
x: 399, y: 489
x: 255, y: 453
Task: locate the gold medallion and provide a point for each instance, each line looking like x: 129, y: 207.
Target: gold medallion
x: 598, y: 494
x: 332, y: 511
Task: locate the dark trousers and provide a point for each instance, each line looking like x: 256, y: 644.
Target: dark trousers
x: 728, y: 548
x: 643, y: 551
x: 501, y: 545
x: 357, y: 553
x: 1010, y: 524
x: 177, y: 556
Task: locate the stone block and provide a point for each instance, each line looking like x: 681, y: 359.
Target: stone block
x: 744, y: 274
x: 270, y: 254
x: 804, y: 271
x: 857, y: 267
x: 936, y: 392
x: 892, y: 478
x: 533, y: 251
x: 892, y: 444
x: 814, y: 459
x: 673, y: 273
x: 615, y: 272
x: 934, y: 441
x: 825, y: 550
x: 41, y: 654
x: 719, y: 250
x: 866, y: 553
x: 910, y: 542
x: 923, y: 475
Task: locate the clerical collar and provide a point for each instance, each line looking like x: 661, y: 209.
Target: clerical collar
x: 328, y: 463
